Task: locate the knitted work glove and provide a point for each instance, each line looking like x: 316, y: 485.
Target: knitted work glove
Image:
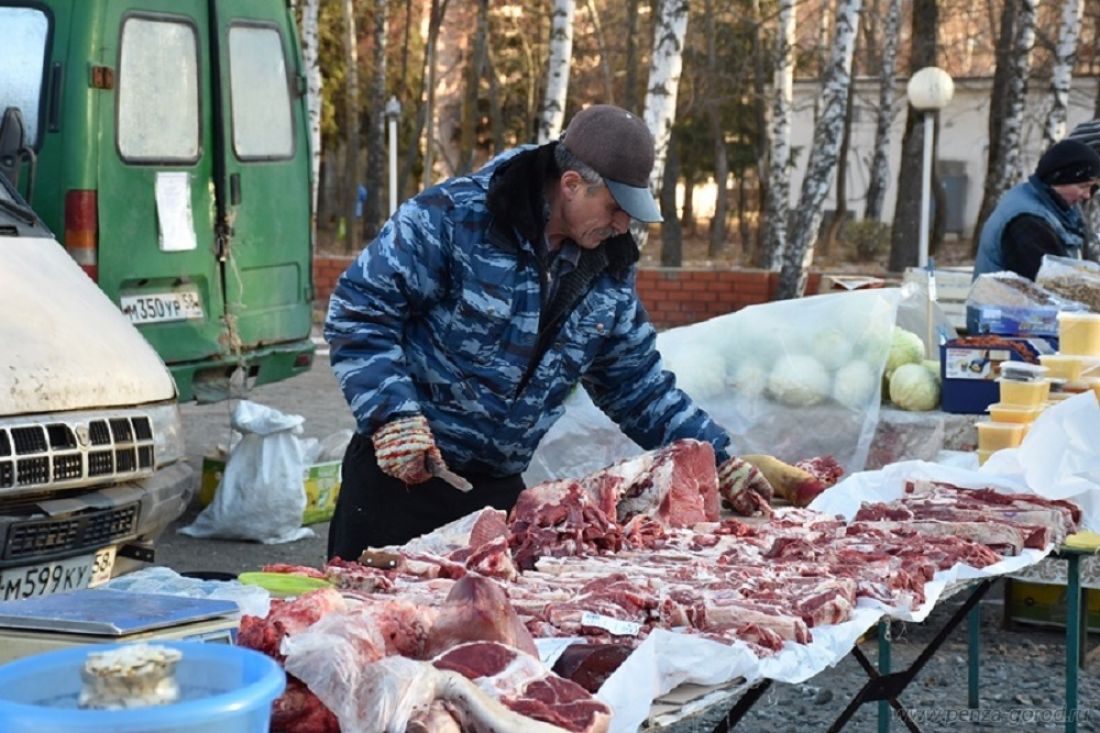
x: 744, y: 487
x: 405, y: 449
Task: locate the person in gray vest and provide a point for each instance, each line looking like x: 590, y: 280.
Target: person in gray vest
x: 1088, y: 132
x: 1041, y: 216
x: 460, y: 330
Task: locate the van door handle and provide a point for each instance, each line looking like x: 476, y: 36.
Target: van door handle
x: 235, y: 189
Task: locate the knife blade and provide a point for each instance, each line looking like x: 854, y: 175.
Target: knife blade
x: 439, y: 470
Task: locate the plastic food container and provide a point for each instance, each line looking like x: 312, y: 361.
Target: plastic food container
x: 994, y: 436
x: 1070, y: 368
x: 1001, y: 412
x: 983, y: 456
x: 1079, y: 334
x: 223, y: 689
x: 1024, y: 394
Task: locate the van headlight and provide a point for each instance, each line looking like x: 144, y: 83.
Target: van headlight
x: 167, y: 433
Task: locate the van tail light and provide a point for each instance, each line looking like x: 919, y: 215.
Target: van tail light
x: 82, y: 230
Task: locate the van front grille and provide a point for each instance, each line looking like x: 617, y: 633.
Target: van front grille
x: 90, y: 529
x: 61, y: 452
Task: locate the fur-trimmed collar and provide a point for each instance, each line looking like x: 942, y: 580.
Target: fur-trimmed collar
x: 516, y: 200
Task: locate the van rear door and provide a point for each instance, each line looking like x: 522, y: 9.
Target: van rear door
x: 264, y: 158
x: 154, y: 193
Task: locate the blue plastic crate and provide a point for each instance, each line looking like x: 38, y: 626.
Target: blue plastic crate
x: 969, y: 368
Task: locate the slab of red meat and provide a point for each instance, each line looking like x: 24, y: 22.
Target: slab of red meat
x: 589, y: 665
x: 477, y: 609
x: 286, y: 569
x: 286, y: 618
x: 298, y: 710
x: 526, y: 688
x: 560, y: 518
x: 677, y: 484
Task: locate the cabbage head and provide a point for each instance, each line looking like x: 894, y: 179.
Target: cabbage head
x: 798, y: 380
x: 914, y: 387
x: 906, y: 347
x: 832, y: 348
x: 854, y: 385
x: 749, y: 380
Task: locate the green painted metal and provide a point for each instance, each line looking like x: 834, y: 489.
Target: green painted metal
x: 973, y: 660
x: 251, y: 264
x: 1073, y: 636
x: 884, y: 711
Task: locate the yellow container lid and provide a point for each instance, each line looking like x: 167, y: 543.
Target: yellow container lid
x: 1002, y: 412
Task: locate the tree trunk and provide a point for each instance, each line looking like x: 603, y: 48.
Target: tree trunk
x: 880, y: 163
x: 743, y: 224
x: 754, y: 250
x: 821, y: 166
x: 557, y: 71
x: 374, y: 209
x: 314, y: 83
x: 475, y: 69
x: 630, y: 97
x: 496, y: 107
x: 664, y: 83
x: 777, y: 208
x: 604, y: 53
x: 840, y: 213
x: 687, y: 213
x: 712, y: 109
x: 351, y: 115
x: 672, y: 236
x: 1061, y: 75
x: 1005, y: 114
x: 905, y: 234
x: 436, y: 19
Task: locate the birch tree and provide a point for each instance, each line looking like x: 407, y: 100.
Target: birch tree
x: 475, y: 68
x: 880, y: 162
x: 557, y: 71
x: 435, y: 20
x: 778, y: 197
x: 311, y: 37
x: 1003, y: 166
x: 821, y: 167
x: 664, y: 82
x: 1065, y: 55
x: 374, y: 210
x: 351, y: 120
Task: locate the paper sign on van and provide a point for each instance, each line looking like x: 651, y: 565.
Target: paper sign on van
x: 177, y: 228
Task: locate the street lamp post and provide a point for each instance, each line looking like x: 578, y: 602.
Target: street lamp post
x: 929, y: 91
x: 393, y: 112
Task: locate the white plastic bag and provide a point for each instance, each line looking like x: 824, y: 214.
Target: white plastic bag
x: 261, y: 496
x: 793, y: 378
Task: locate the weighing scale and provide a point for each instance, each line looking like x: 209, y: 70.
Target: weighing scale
x: 93, y: 616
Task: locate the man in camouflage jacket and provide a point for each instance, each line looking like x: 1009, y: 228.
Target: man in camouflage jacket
x: 460, y: 330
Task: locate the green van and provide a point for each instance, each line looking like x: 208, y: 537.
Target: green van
x: 167, y: 141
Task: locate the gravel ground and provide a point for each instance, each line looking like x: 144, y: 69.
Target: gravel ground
x: 1022, y: 684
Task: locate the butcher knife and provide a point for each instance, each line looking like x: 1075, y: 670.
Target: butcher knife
x: 439, y: 470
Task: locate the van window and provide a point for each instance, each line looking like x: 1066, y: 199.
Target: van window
x: 262, y: 127
x: 158, y: 91
x: 22, y: 61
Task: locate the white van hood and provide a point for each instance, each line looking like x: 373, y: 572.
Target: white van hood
x: 63, y: 344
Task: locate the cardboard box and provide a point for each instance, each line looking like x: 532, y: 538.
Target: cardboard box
x: 969, y: 370
x: 321, y: 481
x: 1012, y: 321
x: 1045, y: 605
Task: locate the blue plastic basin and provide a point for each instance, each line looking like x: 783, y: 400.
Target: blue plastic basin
x: 223, y: 689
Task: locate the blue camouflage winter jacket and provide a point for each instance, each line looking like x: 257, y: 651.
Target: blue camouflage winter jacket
x: 442, y: 315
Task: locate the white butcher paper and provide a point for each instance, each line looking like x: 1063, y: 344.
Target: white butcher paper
x: 1058, y: 459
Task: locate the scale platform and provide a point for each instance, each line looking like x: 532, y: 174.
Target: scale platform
x: 92, y: 616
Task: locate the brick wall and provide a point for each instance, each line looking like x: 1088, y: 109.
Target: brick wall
x: 672, y: 296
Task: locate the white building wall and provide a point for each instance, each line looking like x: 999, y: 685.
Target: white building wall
x: 964, y: 136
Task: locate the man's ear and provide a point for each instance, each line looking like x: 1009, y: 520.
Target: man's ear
x: 571, y: 183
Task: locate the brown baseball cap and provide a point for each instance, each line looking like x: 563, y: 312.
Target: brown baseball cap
x: 617, y: 145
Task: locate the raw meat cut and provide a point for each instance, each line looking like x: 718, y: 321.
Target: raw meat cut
x: 477, y: 609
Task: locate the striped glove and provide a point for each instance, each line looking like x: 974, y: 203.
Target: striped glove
x: 744, y: 487
x: 405, y: 449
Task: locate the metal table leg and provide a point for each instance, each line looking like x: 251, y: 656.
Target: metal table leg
x: 738, y: 711
x: 1073, y: 637
x: 973, y: 651
x: 884, y: 640
x: 890, y: 686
